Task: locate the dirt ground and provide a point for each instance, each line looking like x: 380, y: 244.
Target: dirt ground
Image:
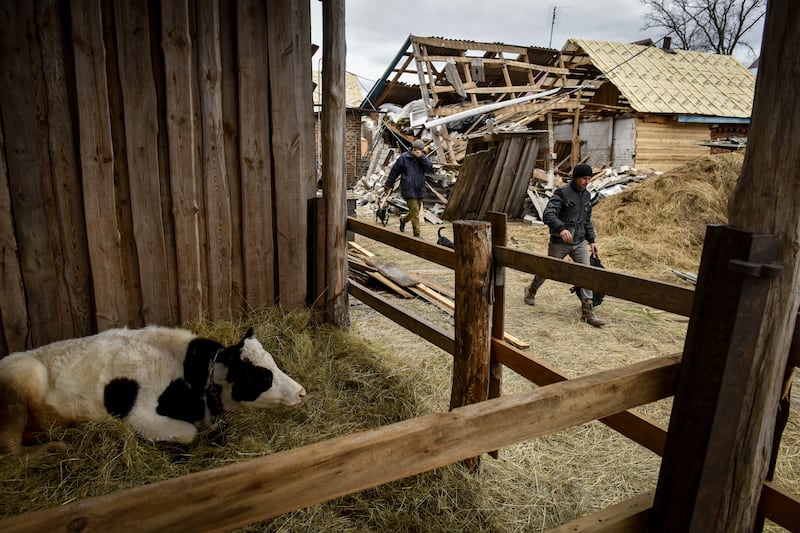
x: 587, y: 467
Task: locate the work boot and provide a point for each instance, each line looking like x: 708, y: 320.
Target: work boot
x: 588, y: 316
x: 530, y: 295
x: 402, y: 225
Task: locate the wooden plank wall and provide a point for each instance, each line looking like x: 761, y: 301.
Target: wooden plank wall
x: 662, y: 146
x: 494, y: 177
x: 156, y: 163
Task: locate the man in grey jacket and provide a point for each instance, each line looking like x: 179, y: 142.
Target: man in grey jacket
x: 569, y: 216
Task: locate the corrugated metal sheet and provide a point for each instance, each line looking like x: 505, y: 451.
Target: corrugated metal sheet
x: 656, y: 81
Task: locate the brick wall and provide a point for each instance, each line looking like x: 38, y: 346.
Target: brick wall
x: 352, y: 144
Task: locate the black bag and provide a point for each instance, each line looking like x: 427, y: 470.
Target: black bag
x: 597, y: 299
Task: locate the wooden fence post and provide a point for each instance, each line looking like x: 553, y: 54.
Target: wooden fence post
x: 499, y: 238
x: 337, y: 312
x: 473, y: 283
x: 316, y: 257
x: 710, y: 411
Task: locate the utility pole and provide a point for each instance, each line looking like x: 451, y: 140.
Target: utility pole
x: 552, y: 24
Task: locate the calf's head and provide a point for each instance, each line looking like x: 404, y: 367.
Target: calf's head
x: 251, y: 378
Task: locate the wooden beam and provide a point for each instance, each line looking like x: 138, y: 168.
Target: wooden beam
x: 656, y: 294
x: 458, y: 44
x: 424, y: 329
x: 334, y: 186
x: 710, y: 402
x: 630, y: 516
x: 634, y: 426
x: 780, y: 506
x: 282, y: 482
x: 429, y: 251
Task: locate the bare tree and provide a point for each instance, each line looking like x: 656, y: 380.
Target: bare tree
x: 717, y: 26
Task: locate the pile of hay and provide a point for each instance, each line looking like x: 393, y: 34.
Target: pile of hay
x: 660, y: 223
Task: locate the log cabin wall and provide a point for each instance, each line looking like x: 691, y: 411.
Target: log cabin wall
x: 156, y: 159
x: 662, y: 146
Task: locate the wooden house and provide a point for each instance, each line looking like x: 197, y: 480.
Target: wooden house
x: 649, y: 106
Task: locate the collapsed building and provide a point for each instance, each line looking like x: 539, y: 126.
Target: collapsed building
x: 540, y: 111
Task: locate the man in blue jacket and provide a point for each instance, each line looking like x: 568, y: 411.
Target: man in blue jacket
x: 412, y: 166
x: 569, y: 216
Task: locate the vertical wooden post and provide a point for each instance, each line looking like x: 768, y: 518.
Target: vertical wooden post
x: 473, y: 284
x: 255, y: 156
x: 316, y: 257
x: 726, y: 487
x: 576, y: 133
x: 549, y: 161
x: 499, y: 238
x: 333, y: 161
x: 710, y: 403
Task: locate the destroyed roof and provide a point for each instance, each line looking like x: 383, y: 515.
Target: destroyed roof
x: 488, y: 68
x: 654, y: 80
x: 352, y: 90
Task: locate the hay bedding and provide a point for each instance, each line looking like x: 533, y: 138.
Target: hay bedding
x: 378, y: 374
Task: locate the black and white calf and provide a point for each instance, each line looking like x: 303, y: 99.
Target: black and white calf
x: 166, y: 383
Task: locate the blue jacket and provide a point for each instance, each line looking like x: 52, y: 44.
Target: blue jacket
x: 412, y: 184
x: 571, y: 209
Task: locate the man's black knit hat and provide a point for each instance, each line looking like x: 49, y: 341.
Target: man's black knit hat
x: 582, y: 170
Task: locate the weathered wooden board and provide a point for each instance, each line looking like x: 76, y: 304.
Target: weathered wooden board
x: 290, y: 83
x: 70, y: 225
x: 215, y: 184
x: 391, y: 271
x: 183, y: 165
x: 255, y: 156
x: 141, y: 144
x: 230, y: 122
x: 97, y: 166
x: 13, y: 311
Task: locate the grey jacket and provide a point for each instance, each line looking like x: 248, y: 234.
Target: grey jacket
x: 570, y: 209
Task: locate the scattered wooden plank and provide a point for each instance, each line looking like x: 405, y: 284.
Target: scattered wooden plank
x: 434, y: 297
x: 392, y: 271
x: 360, y: 249
x: 436, y: 193
x: 430, y: 217
x: 538, y: 203
x: 514, y: 341
x: 389, y: 283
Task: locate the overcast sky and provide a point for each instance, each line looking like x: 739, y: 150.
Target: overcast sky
x: 376, y: 30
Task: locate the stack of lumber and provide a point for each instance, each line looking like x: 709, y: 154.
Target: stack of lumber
x: 368, y: 269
